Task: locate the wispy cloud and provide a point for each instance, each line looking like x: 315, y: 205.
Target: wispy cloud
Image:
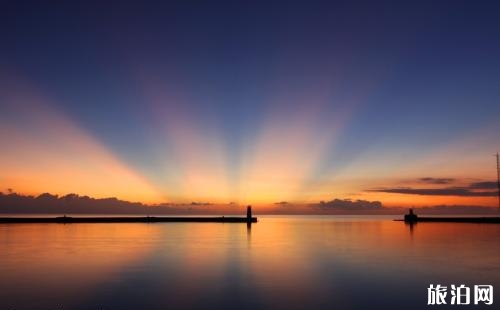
x: 197, y: 203
x: 483, y: 185
x: 476, y: 189
x: 282, y: 203
x: 430, y: 180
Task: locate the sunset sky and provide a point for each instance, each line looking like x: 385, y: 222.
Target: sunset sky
x: 252, y: 102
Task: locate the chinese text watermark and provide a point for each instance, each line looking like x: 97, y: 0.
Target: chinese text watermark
x: 460, y: 295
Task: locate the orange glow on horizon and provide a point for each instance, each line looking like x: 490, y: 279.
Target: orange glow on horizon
x: 48, y: 152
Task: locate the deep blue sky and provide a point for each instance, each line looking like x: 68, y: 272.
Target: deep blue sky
x: 388, y: 79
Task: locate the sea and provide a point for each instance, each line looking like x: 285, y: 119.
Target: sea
x: 281, y: 262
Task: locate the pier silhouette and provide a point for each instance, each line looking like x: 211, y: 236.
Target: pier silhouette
x: 412, y: 218
x: 249, y: 219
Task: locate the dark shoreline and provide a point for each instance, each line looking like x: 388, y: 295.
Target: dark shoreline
x: 122, y: 219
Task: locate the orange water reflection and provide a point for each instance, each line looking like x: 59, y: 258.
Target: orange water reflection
x: 62, y: 264
x: 281, y: 262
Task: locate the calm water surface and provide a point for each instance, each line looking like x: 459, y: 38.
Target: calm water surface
x: 279, y: 263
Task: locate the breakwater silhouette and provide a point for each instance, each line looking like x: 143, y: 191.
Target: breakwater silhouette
x: 133, y: 219
x: 411, y: 218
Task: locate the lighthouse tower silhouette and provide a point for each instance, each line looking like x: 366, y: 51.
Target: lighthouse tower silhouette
x: 249, y: 214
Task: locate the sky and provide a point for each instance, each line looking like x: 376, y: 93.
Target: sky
x: 251, y: 102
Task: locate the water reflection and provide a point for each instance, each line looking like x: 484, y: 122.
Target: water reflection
x: 313, y: 262
x: 44, y: 265
x: 249, y: 234
x: 411, y: 227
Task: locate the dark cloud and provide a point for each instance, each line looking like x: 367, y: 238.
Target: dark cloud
x: 196, y: 203
x: 282, y: 203
x: 450, y: 191
x: 76, y: 204
x: 430, y: 180
x: 483, y: 185
x: 348, y: 204
x: 71, y: 203
x: 477, y: 189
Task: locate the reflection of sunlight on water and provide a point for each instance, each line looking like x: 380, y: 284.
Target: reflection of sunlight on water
x: 281, y: 262
x: 64, y: 263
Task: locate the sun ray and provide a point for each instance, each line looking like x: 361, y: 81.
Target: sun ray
x: 49, y: 153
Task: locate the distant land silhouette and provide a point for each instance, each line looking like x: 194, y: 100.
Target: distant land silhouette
x: 15, y: 203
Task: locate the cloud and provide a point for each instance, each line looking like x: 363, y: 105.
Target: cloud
x: 197, y: 203
x: 71, y: 203
x: 429, y: 180
x: 282, y: 203
x: 449, y: 191
x: 477, y: 189
x: 483, y: 185
x: 348, y: 204
x: 77, y: 204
